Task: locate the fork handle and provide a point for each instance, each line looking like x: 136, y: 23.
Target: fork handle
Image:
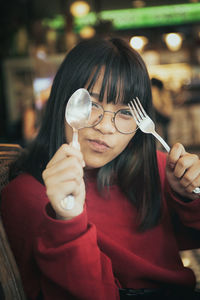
x: 165, y: 145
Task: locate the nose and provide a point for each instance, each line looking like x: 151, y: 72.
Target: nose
x: 107, y: 126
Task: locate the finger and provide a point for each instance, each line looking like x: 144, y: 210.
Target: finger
x: 190, y: 175
x: 183, y: 165
x: 64, y: 151
x: 175, y: 153
x: 58, y: 192
x: 70, y: 188
x: 195, y: 183
x: 70, y: 169
x: 68, y: 164
x: 64, y: 176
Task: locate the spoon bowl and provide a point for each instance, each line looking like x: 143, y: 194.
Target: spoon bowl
x: 78, y: 109
x: 78, y: 112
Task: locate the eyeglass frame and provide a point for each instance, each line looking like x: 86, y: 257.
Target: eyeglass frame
x: 113, y: 118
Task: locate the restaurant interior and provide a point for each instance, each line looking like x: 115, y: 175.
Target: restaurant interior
x: 36, y: 35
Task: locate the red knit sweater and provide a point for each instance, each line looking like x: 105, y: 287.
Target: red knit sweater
x: 97, y: 252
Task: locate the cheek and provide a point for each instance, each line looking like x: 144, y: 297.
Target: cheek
x: 122, y: 144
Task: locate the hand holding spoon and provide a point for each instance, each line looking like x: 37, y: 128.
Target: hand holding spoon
x: 77, y: 114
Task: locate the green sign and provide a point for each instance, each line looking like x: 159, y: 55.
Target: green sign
x: 144, y: 17
x: 58, y: 22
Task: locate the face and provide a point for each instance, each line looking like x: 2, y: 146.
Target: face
x: 102, y: 143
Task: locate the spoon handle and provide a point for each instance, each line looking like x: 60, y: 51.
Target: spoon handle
x: 75, y: 142
x: 68, y: 202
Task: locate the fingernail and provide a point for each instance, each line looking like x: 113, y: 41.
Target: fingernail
x: 83, y: 164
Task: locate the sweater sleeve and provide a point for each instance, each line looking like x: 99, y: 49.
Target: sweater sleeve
x: 186, y: 219
x: 188, y: 212
x: 61, y: 259
x: 71, y: 263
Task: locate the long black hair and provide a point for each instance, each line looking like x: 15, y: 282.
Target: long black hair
x: 125, y: 77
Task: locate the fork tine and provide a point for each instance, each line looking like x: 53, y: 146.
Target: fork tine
x: 134, y: 112
x: 141, y: 107
x: 139, y: 111
x: 144, y: 122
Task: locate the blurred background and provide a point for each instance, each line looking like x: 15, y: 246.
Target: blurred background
x: 35, y: 35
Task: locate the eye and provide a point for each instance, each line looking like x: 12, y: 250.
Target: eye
x: 125, y: 113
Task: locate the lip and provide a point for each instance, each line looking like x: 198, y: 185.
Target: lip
x: 98, y: 145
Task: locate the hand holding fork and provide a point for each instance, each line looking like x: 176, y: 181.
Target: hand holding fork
x: 145, y: 123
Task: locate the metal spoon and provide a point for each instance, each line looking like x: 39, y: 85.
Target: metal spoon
x: 77, y: 114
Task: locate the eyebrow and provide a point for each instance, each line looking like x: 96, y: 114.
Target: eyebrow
x: 96, y: 96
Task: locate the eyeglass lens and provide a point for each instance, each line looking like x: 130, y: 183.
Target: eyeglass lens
x: 123, y: 119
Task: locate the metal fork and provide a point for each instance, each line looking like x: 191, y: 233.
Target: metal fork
x: 144, y: 122
x: 146, y: 125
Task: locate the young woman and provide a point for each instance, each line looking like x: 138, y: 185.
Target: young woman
x: 134, y: 207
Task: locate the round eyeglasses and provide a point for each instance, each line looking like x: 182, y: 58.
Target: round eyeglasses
x: 122, y: 119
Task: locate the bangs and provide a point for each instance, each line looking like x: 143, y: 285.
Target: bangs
x: 122, y: 80
x: 120, y: 69
x: 114, y: 84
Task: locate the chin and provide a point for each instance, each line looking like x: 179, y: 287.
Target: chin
x: 94, y: 164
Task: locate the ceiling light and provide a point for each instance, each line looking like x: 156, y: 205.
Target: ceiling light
x: 186, y: 261
x: 138, y: 42
x: 173, y: 41
x: 138, y: 3
x: 79, y: 8
x: 41, y: 53
x: 87, y: 32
